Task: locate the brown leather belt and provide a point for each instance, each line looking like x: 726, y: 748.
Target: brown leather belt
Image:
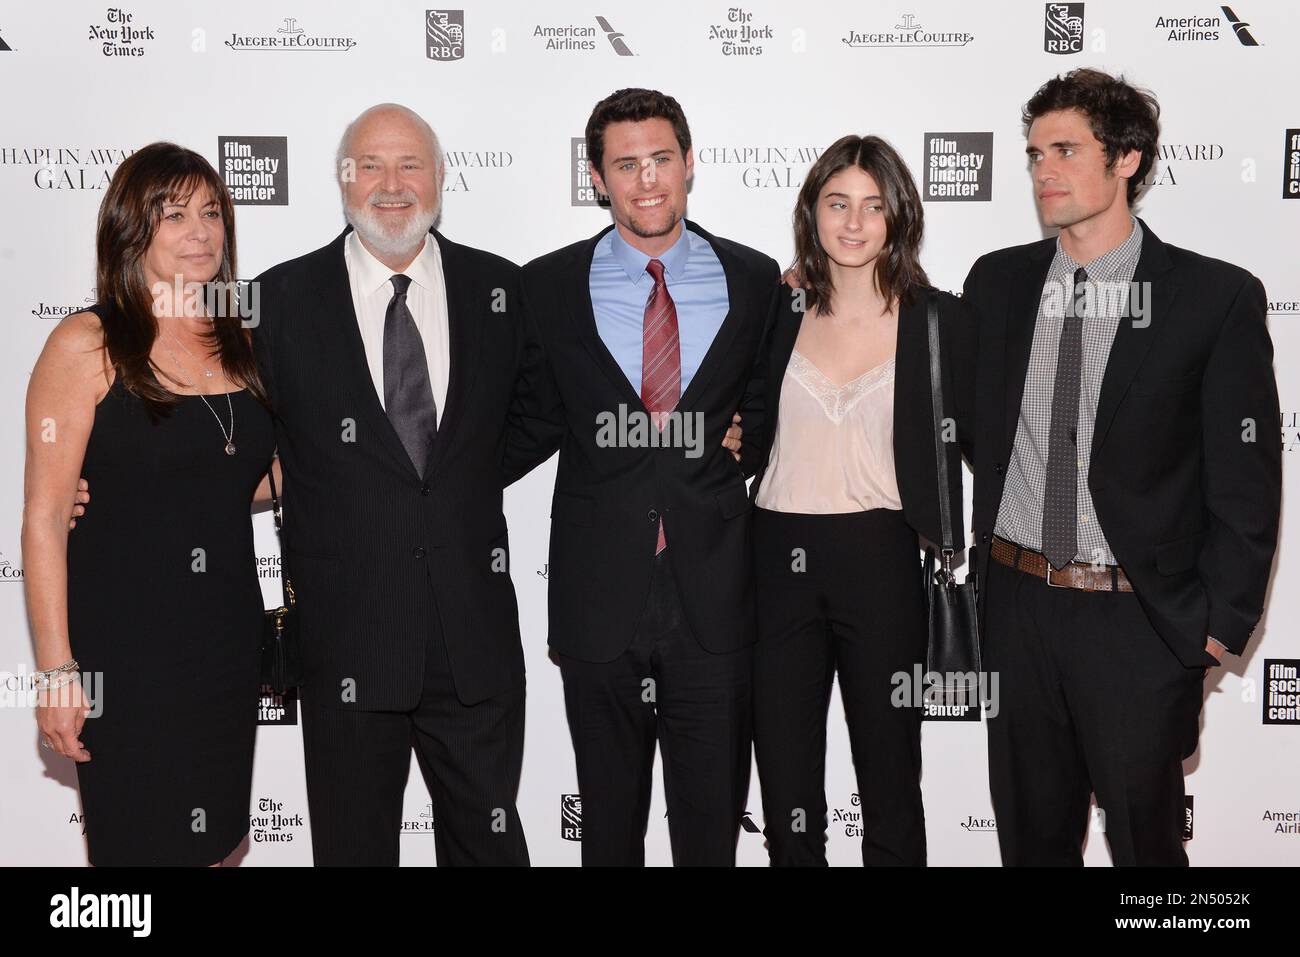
x: 1080, y: 575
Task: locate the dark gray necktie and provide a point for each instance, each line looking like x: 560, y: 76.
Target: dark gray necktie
x: 1060, y: 497
x: 408, y: 394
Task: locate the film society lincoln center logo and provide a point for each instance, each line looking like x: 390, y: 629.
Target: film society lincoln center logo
x: 958, y: 167
x: 444, y: 34
x: 255, y: 168
x: 1291, y: 165
x: 583, y: 189
x: 1281, y: 691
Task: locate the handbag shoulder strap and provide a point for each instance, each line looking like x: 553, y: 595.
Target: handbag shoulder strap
x: 936, y: 403
x: 277, y: 513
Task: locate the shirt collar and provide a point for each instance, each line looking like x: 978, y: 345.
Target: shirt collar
x: 1106, y: 265
x: 370, y: 274
x: 634, y: 261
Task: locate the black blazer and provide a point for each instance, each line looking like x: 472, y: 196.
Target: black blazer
x: 608, y: 500
x: 380, y: 560
x: 914, y: 437
x: 1188, y: 507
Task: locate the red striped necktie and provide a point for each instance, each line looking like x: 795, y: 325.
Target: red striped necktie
x: 661, y: 358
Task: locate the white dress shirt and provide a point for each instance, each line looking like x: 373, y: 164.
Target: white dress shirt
x: 426, y: 297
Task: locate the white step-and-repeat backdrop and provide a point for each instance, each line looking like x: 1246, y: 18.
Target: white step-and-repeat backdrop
x: 766, y: 86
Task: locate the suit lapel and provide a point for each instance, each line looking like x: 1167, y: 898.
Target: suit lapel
x: 1132, y: 341
x: 911, y: 360
x: 1022, y: 317
x: 335, y: 291
x: 577, y: 289
x: 736, y: 311
x: 464, y: 342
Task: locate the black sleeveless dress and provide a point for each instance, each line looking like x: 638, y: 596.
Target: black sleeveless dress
x: 164, y: 617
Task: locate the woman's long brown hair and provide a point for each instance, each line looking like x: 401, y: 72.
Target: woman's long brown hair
x: 898, y: 267
x: 153, y: 176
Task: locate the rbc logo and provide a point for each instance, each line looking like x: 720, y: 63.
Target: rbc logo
x: 1063, y: 28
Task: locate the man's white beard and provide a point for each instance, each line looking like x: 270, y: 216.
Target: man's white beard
x: 371, y: 226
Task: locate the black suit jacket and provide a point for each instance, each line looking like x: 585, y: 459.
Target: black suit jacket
x: 914, y: 435
x: 608, y: 500
x: 380, y: 558
x: 1185, y: 473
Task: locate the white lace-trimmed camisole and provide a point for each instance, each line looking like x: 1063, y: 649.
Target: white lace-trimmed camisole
x: 834, y: 445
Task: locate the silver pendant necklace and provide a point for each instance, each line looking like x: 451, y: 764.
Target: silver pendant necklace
x: 229, y: 436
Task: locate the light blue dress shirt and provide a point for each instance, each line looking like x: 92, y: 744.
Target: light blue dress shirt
x: 620, y: 287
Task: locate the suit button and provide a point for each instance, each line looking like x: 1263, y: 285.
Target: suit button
x: 985, y: 537
x: 652, y: 515
x: 425, y: 490
x: 418, y: 551
x: 998, y: 468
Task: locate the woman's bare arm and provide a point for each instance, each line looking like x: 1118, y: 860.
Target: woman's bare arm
x: 263, y: 493
x: 67, y: 383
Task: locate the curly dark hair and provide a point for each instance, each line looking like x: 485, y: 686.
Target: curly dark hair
x: 1121, y: 116
x: 633, y: 105
x: 898, y: 267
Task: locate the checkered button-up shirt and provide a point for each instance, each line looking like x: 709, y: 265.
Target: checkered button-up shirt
x: 1020, y: 517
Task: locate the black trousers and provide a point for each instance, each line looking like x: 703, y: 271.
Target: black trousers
x: 1089, y: 699
x: 357, y: 764
x: 838, y: 594
x: 695, y: 703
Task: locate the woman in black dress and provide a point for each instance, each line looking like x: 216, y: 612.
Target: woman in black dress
x: 147, y: 618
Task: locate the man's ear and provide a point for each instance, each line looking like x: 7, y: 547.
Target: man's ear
x: 1126, y: 165
x: 439, y: 174
x: 690, y: 163
x: 598, y: 181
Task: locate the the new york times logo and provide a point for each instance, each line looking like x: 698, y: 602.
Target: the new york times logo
x: 1063, y: 28
x: 271, y: 825
x: 445, y: 34
x: 75, y: 909
x: 571, y: 817
x: 849, y: 818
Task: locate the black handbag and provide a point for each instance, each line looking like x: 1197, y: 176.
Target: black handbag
x: 953, y: 647
x: 281, y: 650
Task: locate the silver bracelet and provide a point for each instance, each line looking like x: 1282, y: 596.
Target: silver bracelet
x: 41, y: 680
